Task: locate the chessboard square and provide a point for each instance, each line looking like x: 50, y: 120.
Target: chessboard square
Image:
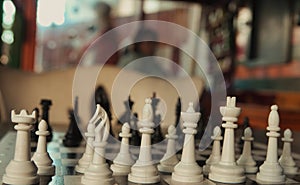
x: 69, y: 162
x: 71, y: 155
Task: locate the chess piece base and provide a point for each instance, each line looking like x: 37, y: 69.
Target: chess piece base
x: 226, y: 173
x: 206, y: 169
x: 290, y: 170
x: 46, y: 170
x: 83, y: 163
x: 97, y: 174
x: 120, y: 170
x: 271, y: 173
x: 144, y: 174
x: 250, y: 169
x: 168, y: 165
x: 187, y: 173
x: 21, y: 172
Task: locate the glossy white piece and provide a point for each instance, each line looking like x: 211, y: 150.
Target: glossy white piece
x: 124, y: 159
x: 215, y: 155
x: 271, y: 171
x: 246, y: 160
x: 227, y: 171
x: 187, y: 170
x: 87, y: 156
x: 21, y: 170
x: 286, y: 160
x: 144, y: 171
x: 98, y: 171
x: 169, y: 160
x: 41, y: 157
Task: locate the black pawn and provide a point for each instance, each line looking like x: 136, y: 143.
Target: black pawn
x: 157, y: 135
x: 73, y: 136
x: 135, y: 139
x: 45, y: 116
x: 33, y: 136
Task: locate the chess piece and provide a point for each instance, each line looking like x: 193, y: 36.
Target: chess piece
x: 135, y: 139
x: 87, y: 156
x: 102, y: 99
x: 227, y: 171
x: 124, y: 159
x: 126, y: 117
x: 73, y: 136
x: 45, y: 116
x: 271, y: 171
x: 157, y: 135
x: 245, y: 124
x: 41, y: 157
x: 169, y: 160
x: 33, y: 136
x: 286, y: 160
x: 21, y: 170
x: 215, y: 155
x: 246, y: 160
x: 144, y: 171
x: 187, y: 170
x: 98, y: 171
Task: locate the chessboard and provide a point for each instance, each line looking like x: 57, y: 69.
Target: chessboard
x: 66, y: 158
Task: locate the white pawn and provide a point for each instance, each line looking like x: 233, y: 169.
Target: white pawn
x: 124, y: 159
x: 169, y: 160
x: 286, y: 160
x: 246, y: 160
x: 87, y: 156
x: 187, y: 170
x: 41, y: 157
x: 270, y: 171
x: 21, y: 170
x: 215, y: 155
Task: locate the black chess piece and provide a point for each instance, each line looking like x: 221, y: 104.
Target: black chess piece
x: 157, y: 135
x: 73, y: 136
x: 177, y: 117
x: 126, y: 117
x: 46, y: 103
x: 33, y: 136
x: 135, y: 139
x: 101, y: 98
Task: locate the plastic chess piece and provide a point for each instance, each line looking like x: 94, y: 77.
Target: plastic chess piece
x: 33, y: 136
x: 157, y: 135
x: 169, y: 160
x: 73, y: 136
x: 135, y: 139
x: 144, y: 171
x: 124, y: 160
x: 246, y: 160
x: 286, y: 160
x: 227, y: 171
x: 271, y: 171
x: 41, y: 157
x: 21, y: 170
x: 215, y: 155
x: 98, y: 171
x: 187, y: 170
x: 45, y: 116
x: 87, y: 156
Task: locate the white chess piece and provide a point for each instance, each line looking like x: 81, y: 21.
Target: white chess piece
x: 169, y: 160
x: 21, y: 170
x: 286, y: 160
x: 87, y: 156
x: 271, y: 171
x: 246, y: 160
x: 144, y: 171
x: 215, y: 155
x: 98, y: 171
x: 227, y: 171
x: 41, y: 157
x: 187, y: 170
x: 124, y: 159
